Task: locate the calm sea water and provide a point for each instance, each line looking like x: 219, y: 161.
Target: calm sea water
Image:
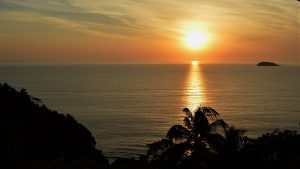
x: 127, y: 106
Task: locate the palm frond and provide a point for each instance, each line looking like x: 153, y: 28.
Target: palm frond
x: 188, y: 113
x: 201, y: 121
x: 187, y: 122
x: 186, y: 109
x: 210, y: 112
x: 221, y: 124
x: 178, y: 134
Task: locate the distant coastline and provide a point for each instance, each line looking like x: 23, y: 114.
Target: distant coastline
x: 267, y: 64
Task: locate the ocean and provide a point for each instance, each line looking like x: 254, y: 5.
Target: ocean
x: 127, y: 106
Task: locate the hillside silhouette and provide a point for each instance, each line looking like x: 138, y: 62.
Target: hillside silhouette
x: 33, y: 135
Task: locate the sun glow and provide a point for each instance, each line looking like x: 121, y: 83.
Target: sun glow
x: 195, y: 62
x: 196, y: 39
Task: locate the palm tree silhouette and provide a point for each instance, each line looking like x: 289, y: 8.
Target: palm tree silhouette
x: 202, y: 130
x: 202, y: 135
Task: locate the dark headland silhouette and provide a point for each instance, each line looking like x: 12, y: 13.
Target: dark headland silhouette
x: 34, y: 137
x: 267, y: 64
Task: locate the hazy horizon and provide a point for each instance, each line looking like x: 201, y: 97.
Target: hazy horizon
x: 137, y: 62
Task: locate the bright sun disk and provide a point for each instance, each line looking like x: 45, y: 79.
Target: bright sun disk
x: 195, y: 62
x: 195, y: 39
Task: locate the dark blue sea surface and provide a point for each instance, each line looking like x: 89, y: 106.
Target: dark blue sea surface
x: 127, y: 106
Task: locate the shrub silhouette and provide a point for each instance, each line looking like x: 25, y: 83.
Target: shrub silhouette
x: 32, y: 132
x: 276, y: 150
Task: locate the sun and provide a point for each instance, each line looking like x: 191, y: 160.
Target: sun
x: 195, y: 39
x: 195, y: 62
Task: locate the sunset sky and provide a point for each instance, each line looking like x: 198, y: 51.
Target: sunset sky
x: 149, y: 31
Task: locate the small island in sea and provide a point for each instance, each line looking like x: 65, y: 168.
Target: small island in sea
x: 267, y: 64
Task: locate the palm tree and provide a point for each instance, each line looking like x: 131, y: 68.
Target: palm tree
x: 201, y: 135
x: 202, y: 130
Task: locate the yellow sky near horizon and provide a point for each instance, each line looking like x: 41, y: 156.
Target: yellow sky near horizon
x: 139, y: 30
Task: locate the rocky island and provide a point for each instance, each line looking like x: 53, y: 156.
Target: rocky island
x: 267, y: 64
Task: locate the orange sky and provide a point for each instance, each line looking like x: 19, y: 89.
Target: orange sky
x: 140, y: 31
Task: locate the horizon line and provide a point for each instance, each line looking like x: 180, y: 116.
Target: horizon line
x: 137, y: 62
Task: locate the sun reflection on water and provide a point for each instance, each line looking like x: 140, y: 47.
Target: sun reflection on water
x: 194, y: 93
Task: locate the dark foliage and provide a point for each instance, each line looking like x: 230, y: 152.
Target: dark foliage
x: 276, y: 150
x: 33, y: 136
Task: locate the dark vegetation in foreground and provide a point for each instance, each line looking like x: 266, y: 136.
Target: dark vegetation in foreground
x: 32, y: 137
